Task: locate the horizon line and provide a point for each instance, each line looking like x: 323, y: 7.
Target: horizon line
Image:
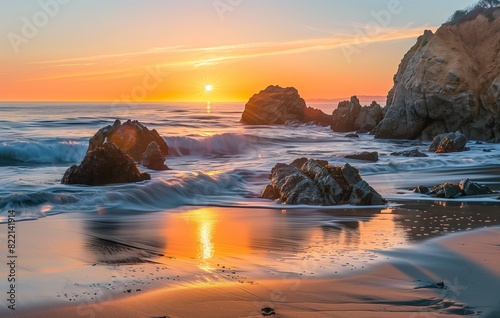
x: 312, y: 100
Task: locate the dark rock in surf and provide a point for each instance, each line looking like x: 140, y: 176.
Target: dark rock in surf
x: 278, y: 106
x: 422, y: 190
x: 351, y: 116
x: 365, y: 156
x: 132, y: 137
x: 410, y: 153
x: 105, y: 164
x: 471, y: 188
x: 317, y: 183
x: 450, y: 142
x: 455, y: 190
x: 153, y: 158
x: 447, y: 190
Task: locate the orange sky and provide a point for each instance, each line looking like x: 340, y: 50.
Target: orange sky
x: 167, y: 51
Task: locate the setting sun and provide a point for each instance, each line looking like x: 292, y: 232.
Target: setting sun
x: 208, y: 88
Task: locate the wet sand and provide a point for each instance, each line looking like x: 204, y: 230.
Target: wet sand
x: 229, y: 262
x: 402, y: 287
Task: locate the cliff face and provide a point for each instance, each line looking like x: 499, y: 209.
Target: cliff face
x: 448, y: 81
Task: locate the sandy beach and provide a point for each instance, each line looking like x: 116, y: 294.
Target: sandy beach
x: 402, y: 287
x: 91, y: 275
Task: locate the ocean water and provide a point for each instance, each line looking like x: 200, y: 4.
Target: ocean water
x: 215, y: 160
x: 203, y: 221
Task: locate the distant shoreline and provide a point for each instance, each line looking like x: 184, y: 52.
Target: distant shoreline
x: 362, y: 98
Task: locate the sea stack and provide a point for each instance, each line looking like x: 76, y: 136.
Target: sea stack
x: 276, y: 105
x: 449, y: 81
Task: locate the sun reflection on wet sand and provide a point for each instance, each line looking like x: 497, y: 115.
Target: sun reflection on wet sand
x: 205, y: 223
x: 206, y: 247
x: 288, y: 240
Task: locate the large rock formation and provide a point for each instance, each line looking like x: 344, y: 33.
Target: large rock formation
x: 277, y: 106
x: 132, y: 137
x: 105, y: 164
x: 314, y: 182
x: 351, y: 116
x: 448, y: 81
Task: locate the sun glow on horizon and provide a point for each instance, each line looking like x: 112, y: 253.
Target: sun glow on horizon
x: 321, y: 50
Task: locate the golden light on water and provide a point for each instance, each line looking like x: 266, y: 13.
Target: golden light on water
x: 204, y: 222
x: 211, y: 236
x: 206, y: 247
x: 201, y: 236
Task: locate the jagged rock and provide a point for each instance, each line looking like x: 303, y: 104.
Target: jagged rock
x: 277, y: 106
x: 350, y: 174
x: 470, y: 188
x: 153, y: 158
x: 294, y: 186
x: 270, y: 192
x: 317, y: 183
x: 410, y: 153
x: 450, y: 142
x: 132, y: 137
x: 448, y: 81
x: 369, y: 117
x: 422, y: 190
x: 298, y: 163
x: 453, y: 190
x: 104, y: 165
x: 351, y: 116
x: 363, y: 194
x: 447, y: 190
x: 365, y: 155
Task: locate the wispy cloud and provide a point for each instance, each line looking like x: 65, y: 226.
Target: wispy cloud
x: 176, y: 58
